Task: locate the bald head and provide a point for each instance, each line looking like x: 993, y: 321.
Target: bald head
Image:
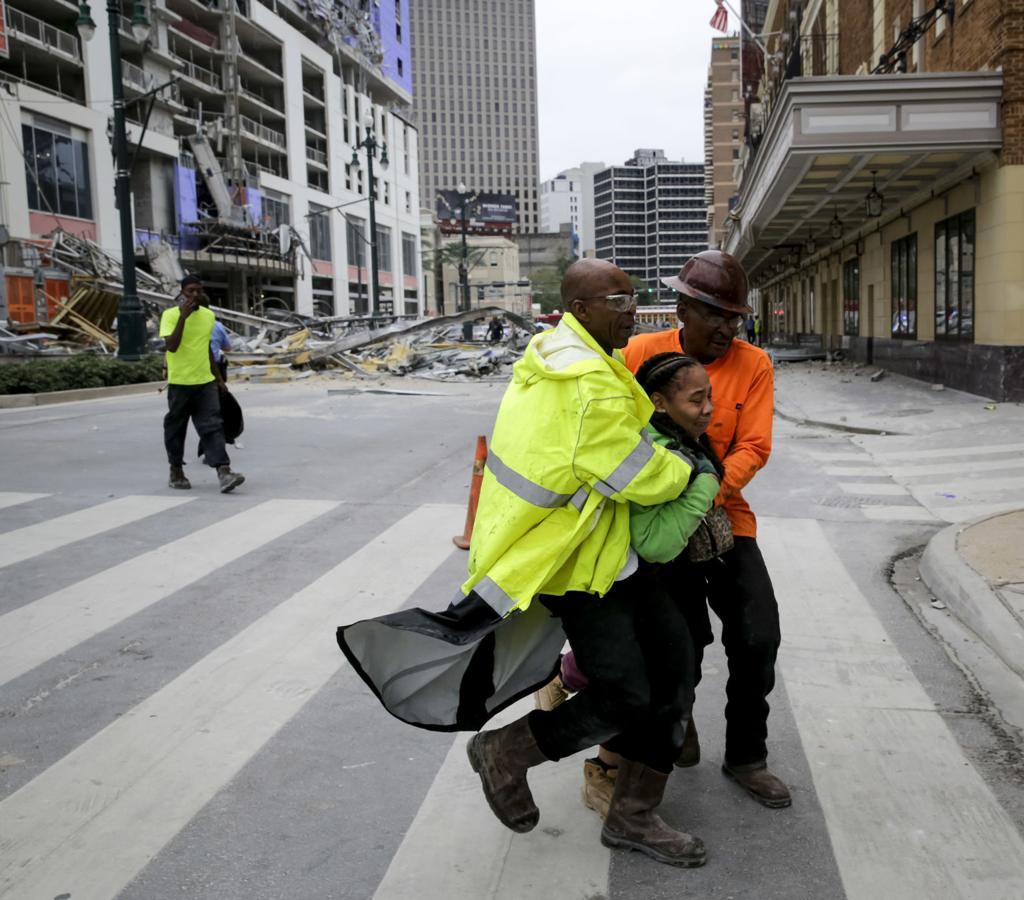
x: 592, y: 278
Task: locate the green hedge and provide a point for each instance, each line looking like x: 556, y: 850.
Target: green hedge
x: 85, y: 370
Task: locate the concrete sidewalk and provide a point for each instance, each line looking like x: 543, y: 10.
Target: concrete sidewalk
x: 842, y: 396
x: 977, y: 570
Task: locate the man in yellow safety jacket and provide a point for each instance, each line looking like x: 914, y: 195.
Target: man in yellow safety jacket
x: 550, y: 547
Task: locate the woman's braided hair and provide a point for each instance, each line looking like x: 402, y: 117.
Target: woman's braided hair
x: 656, y: 373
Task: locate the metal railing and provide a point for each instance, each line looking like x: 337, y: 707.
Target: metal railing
x: 31, y: 29
x: 261, y: 132
x: 135, y: 76
x: 317, y: 156
x: 199, y: 73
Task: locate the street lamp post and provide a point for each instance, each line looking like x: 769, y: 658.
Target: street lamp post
x: 370, y: 145
x: 464, y: 259
x: 131, y: 321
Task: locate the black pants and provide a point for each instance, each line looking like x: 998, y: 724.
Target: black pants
x: 201, y: 403
x: 739, y: 590
x: 634, y: 647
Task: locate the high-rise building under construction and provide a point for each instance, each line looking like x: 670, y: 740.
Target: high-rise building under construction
x: 475, y: 99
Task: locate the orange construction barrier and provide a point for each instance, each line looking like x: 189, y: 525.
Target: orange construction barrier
x: 462, y: 540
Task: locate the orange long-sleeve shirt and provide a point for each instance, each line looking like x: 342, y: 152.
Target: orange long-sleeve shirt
x: 742, y: 390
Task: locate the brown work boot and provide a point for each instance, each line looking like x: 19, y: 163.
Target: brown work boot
x: 633, y: 825
x: 501, y: 759
x: 178, y: 479
x: 553, y: 694
x: 762, y: 785
x: 228, y: 480
x: 598, y: 785
x: 690, y: 754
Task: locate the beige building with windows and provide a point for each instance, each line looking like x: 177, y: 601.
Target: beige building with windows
x: 882, y: 184
x: 723, y: 132
x: 475, y: 76
x: 493, y: 274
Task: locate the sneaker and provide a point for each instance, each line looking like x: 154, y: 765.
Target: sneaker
x: 228, y: 480
x: 178, y: 479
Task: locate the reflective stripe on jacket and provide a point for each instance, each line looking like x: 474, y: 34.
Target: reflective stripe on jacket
x: 568, y: 453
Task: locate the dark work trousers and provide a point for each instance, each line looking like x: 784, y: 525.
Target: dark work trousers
x: 201, y: 404
x: 635, y: 650
x: 738, y: 588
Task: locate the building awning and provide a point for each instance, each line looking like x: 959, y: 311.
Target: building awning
x: 829, y: 139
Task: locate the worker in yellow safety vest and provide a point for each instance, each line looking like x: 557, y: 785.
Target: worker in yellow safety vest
x: 550, y: 559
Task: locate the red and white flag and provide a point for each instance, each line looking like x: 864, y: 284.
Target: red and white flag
x: 720, y: 20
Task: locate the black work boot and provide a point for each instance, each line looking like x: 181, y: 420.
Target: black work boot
x: 766, y: 788
x: 228, y: 480
x: 690, y: 754
x: 632, y: 824
x: 178, y: 479
x: 501, y: 759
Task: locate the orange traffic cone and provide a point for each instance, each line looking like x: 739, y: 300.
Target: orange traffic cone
x: 462, y: 540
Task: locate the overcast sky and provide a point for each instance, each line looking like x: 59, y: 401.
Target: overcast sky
x: 614, y: 76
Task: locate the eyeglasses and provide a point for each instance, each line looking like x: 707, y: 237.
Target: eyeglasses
x: 717, y: 319
x: 618, y: 302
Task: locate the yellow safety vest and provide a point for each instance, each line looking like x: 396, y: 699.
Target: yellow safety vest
x: 568, y: 454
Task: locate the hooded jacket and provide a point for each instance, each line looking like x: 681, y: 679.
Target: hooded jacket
x: 569, y: 452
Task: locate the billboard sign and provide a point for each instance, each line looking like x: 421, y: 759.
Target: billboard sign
x: 486, y: 213
x: 5, y: 50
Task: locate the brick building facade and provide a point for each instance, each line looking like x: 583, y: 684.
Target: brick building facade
x: 882, y: 184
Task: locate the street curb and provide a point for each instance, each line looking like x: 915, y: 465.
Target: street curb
x: 835, y: 426
x: 24, y: 401
x: 970, y: 598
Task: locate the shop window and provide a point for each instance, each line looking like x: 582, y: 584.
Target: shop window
x: 904, y: 287
x: 409, y: 254
x: 851, y: 298
x: 384, y: 248
x: 954, y: 278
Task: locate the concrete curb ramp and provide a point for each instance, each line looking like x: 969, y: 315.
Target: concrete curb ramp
x: 971, y: 598
x: 19, y: 401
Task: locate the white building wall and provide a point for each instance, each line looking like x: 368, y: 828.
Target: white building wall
x: 568, y: 198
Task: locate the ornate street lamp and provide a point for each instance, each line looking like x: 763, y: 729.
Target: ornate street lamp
x: 131, y: 321
x: 812, y: 245
x: 873, y: 201
x: 370, y: 145
x: 464, y: 198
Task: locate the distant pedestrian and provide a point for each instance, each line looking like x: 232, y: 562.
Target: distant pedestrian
x: 749, y: 326
x: 757, y: 330
x: 220, y: 341
x: 194, y: 384
x: 495, y: 331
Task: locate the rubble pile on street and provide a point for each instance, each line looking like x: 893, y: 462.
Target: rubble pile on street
x: 283, y: 348
x: 429, y: 348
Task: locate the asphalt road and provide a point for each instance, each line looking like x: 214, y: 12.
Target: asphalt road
x: 176, y: 721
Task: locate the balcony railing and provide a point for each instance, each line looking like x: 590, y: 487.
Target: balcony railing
x: 34, y: 30
x: 317, y: 156
x: 200, y: 74
x: 261, y: 132
x: 135, y: 76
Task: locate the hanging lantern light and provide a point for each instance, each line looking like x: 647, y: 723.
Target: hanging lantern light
x: 873, y: 201
x: 812, y: 245
x: 835, y: 227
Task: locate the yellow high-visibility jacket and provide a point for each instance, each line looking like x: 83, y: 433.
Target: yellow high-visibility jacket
x: 568, y: 454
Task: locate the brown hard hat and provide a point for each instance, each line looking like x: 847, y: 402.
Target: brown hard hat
x: 715, y: 278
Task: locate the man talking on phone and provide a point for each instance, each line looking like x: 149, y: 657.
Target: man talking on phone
x: 194, y: 384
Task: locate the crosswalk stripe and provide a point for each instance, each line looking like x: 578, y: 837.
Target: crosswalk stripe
x: 954, y: 468
x: 907, y: 814
x: 823, y: 456
x: 940, y: 452
x: 34, y: 633
x: 881, y: 489
x: 848, y: 471
x: 33, y: 540
x: 898, y: 513
x: 146, y: 775
x: 967, y: 511
x: 967, y: 484
x: 561, y: 858
x: 12, y: 498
